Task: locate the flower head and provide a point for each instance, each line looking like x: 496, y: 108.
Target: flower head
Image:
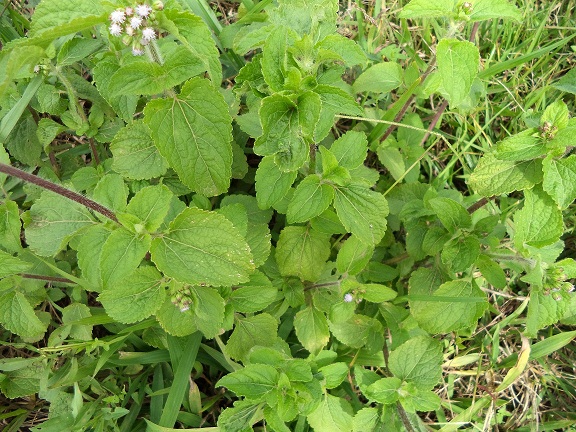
x: 130, y: 31
x: 129, y: 11
x: 118, y: 16
x: 143, y: 10
x: 115, y: 29
x: 148, y: 34
x: 137, y: 51
x: 135, y: 22
x: 348, y: 298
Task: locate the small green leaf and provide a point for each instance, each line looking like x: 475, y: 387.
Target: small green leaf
x: 350, y: 149
x: 53, y: 220
x: 193, y: 132
x: 208, y: 310
x: 334, y: 414
x: 111, y: 192
x: 415, y: 399
x: 17, y: 316
x: 137, y: 296
x: 418, y: 361
x: 254, y: 295
x: 385, y: 390
x: 252, y: 382
x: 460, y: 253
x: 75, y: 312
x: 556, y: 114
x: 348, y: 49
x: 353, y: 256
x: 10, y: 265
x: 151, y: 206
x: 380, y: 78
x: 121, y: 254
x: 10, y: 226
x: 203, y: 248
x: 334, y: 101
x: 310, y: 199
x: 539, y: 223
x: 334, y: 374
x: 355, y: 331
x: 77, y: 49
x: 258, y: 330
x: 495, y: 177
x: 89, y: 251
x: 491, y: 271
x: 376, y: 293
x: 452, y: 214
x: 567, y: 83
x: 498, y: 9
x: 312, y: 329
x: 458, y: 63
x: 428, y: 9
x: 302, y: 251
x: 273, y: 62
x: 240, y: 418
x: 135, y: 155
x: 272, y: 184
x: 362, y: 211
x: 175, y: 321
x: 560, y: 179
x: 520, y: 147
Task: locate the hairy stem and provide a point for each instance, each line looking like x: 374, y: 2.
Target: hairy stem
x: 48, y: 185
x: 46, y: 278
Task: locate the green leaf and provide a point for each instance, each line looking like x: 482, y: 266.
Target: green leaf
x: 495, y: 177
x: 23, y: 143
x: 458, y: 63
x: 10, y: 265
x: 17, y: 316
x: 208, y: 310
x: 353, y: 256
x: 385, y: 390
x: 24, y: 381
x: 415, y: 399
x: 428, y: 9
x: 491, y: 271
x: 355, y: 331
x: 312, y: 329
x: 240, y: 418
x: 334, y: 101
x: 111, y: 192
x: 10, y: 226
x: 452, y: 214
x: 281, y: 137
x: 252, y: 382
x: 272, y: 184
x: 350, y: 149
x: 370, y: 420
x: 567, y: 83
x: 53, y: 219
x: 258, y: 330
x: 75, y: 312
x: 151, y: 206
x: 488, y: 9
x: 539, y: 223
x: 121, y: 254
x: 193, y: 132
x: 453, y: 306
x: 380, y: 78
x: 310, y: 199
x: 55, y: 18
x: 460, y: 253
x: 376, y: 293
x: 334, y: 374
x: 137, y: 296
x: 273, y: 62
x: 175, y: 321
x: 418, y: 361
x: 47, y: 131
x: 545, y: 310
x: 560, y: 179
x: 348, y: 49
x: 556, y: 114
x: 255, y: 295
x: 362, y: 212
x: 301, y: 251
x: 334, y: 414
x: 89, y: 251
x: 135, y: 155
x: 520, y: 147
x: 203, y: 248
x: 77, y: 49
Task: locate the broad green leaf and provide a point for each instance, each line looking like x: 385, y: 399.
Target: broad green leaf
x: 111, y: 192
x: 380, y: 78
x: 458, y: 63
x: 26, y: 380
x: 556, y: 114
x: 334, y: 101
x: 55, y: 18
x: 334, y: 374
x: 258, y: 239
x: 545, y: 309
x: 495, y: 177
x: 89, y: 250
x: 350, y: 149
x: 520, y: 147
x: 310, y: 199
x: 240, y: 418
x: 151, y: 205
x: 491, y: 271
x: 77, y: 49
x: 328, y: 223
x: 53, y: 219
x: 334, y: 414
x: 418, y: 361
x: 392, y: 159
x: 434, y: 240
x: 17, y: 316
x: 460, y: 253
x: 560, y: 179
x: 75, y: 312
x: 370, y: 420
x: 121, y: 254
x: 10, y: 265
x: 254, y: 295
x: 376, y: 293
x: 10, y: 226
x: 316, y: 17
x: 272, y: 184
x: 47, y: 131
x: 452, y: 214
x: 281, y: 137
x: 428, y: 9
x: 274, y: 421
x: 498, y: 9
x: 196, y: 37
x: 135, y: 155
x: 309, y: 107
x: 23, y: 143
x: 455, y: 305
x: 136, y: 297
x: 175, y: 321
x: 362, y: 212
x: 348, y: 49
x: 274, y: 62
x: 258, y: 330
x: 203, y: 247
x: 415, y: 399
x: 301, y: 251
x: 208, y: 310
x: 238, y: 215
x: 252, y: 382
x: 567, y: 83
x: 355, y: 331
x: 539, y: 223
x: 353, y: 256
x: 312, y: 329
x: 193, y: 132
x: 385, y: 390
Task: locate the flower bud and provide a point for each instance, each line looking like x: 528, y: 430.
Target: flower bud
x: 158, y: 5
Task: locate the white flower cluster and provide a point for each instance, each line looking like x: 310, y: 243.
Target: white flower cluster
x: 136, y: 25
